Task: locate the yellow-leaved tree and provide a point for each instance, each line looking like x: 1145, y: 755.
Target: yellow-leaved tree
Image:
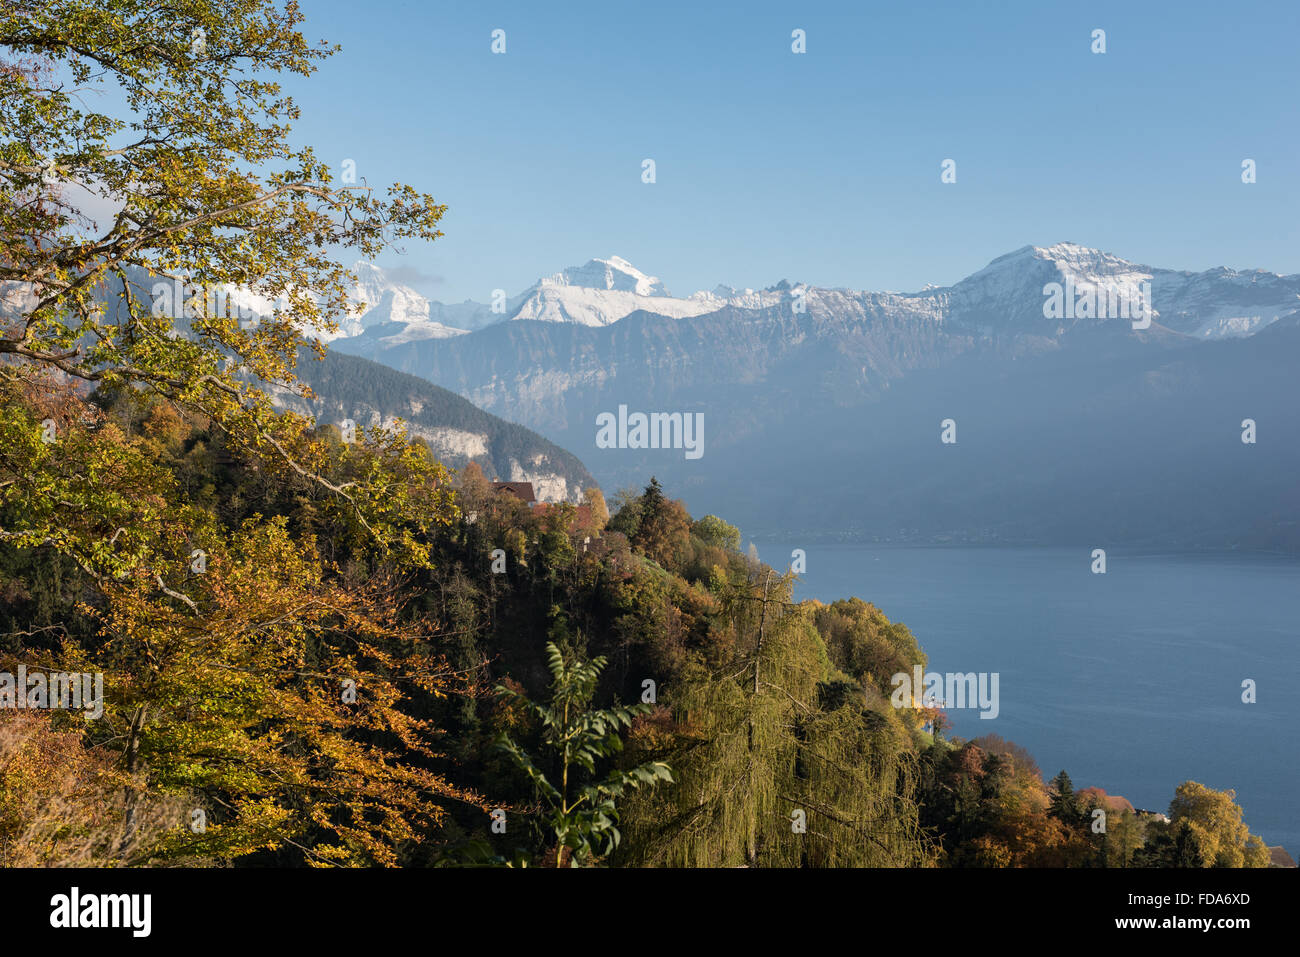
x: 279, y: 696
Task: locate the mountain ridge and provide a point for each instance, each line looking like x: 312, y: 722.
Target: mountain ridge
x: 604, y: 291
x: 841, y: 382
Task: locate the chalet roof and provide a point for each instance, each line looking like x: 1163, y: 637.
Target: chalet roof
x: 521, y: 490
x: 1112, y: 802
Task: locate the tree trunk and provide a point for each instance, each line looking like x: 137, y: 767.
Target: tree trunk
x: 131, y: 795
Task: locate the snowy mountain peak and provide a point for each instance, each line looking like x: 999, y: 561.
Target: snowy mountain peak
x: 377, y: 299
x: 1067, y: 258
x: 1083, y: 260
x: 614, y: 274
x: 1219, y: 303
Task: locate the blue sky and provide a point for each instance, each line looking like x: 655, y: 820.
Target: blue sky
x: 822, y: 167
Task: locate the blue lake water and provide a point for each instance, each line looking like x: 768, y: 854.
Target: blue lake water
x: 1131, y: 680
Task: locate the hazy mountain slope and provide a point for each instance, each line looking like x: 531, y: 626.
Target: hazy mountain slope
x: 349, y: 387
x: 1111, y: 440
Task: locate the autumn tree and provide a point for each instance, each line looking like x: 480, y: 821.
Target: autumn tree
x: 1018, y: 755
x: 284, y: 693
x: 279, y: 706
x: 59, y: 799
x: 664, y: 527
x: 779, y: 762
x: 594, y: 499
x: 716, y: 532
x: 867, y: 645
x: 207, y: 195
x: 1213, y: 824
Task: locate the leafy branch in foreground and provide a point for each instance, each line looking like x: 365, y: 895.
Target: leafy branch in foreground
x: 197, y: 187
x: 583, y: 816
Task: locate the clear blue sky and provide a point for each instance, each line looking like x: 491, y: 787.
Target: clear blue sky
x: 822, y: 167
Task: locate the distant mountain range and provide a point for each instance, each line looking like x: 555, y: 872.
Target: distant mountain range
x: 822, y: 407
x: 1009, y: 291
x: 596, y: 294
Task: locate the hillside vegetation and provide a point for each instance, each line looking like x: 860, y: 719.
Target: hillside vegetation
x: 313, y: 697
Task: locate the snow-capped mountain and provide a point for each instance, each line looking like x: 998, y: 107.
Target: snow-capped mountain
x: 597, y: 293
x: 1218, y: 303
x: 604, y: 291
x: 1011, y: 295
x: 378, y: 301
x: 1008, y: 295
x: 614, y: 273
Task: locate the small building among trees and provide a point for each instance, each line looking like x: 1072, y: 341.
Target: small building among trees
x: 521, y: 490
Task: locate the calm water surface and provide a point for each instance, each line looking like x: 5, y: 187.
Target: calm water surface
x: 1131, y: 681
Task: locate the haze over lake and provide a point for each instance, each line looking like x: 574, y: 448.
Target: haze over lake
x: 1131, y: 680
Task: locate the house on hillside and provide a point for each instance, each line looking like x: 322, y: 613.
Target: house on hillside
x: 520, y: 490
x: 1098, y: 797
x: 582, y: 513
x: 581, y: 528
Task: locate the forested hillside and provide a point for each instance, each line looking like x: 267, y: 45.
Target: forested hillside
x: 314, y: 697
x: 458, y: 432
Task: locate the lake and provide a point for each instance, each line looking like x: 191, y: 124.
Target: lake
x: 1130, y: 680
